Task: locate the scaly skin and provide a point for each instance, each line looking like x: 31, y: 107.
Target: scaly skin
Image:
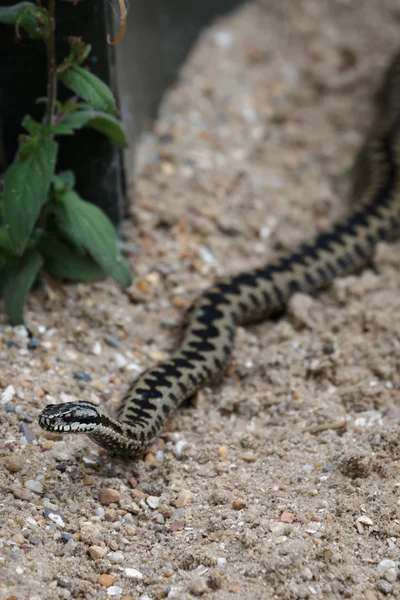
x: 210, y: 325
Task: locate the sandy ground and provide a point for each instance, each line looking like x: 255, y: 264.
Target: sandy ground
x: 282, y: 481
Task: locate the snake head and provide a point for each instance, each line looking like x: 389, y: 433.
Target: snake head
x: 71, y: 417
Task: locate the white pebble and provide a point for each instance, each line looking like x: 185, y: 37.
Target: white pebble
x: 34, y: 486
x: 385, y: 564
x: 114, y: 590
x: 7, y: 395
x: 153, y: 501
x: 365, y: 520
x: 57, y: 519
x: 120, y: 360
x: 99, y: 511
x: 96, y: 350
x: 20, y: 331
x: 133, y: 573
x: 221, y: 562
x: 179, y: 446
x: 116, y: 557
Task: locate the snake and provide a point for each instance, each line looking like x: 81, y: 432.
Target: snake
x: 208, y: 329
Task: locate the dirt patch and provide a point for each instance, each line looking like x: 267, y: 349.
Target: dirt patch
x: 283, y: 480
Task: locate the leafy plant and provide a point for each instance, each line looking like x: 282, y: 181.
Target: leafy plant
x: 44, y: 224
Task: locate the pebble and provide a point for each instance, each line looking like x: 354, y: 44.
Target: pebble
x: 82, y: 376
x: 109, y: 495
x: 18, y: 538
x: 112, y: 340
x: 116, y: 557
x: 105, y: 580
x: 7, y: 395
x: 34, y: 486
x: 223, y: 451
x: 33, y: 344
x: 287, y: 517
x: 130, y: 530
x: 184, y: 498
x: 133, y: 573
x: 238, y: 504
x: 369, y: 595
x: 96, y: 350
x: 384, y: 586
x: 15, y: 463
x: 199, y: 586
x: 47, y: 445
x: 365, y: 520
x: 27, y: 432
x: 54, y: 516
x: 66, y: 537
x: 120, y: 360
x: 388, y: 570
x: 153, y: 501
x: 97, y: 552
x: 114, y: 590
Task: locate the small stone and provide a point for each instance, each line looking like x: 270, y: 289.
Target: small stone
x: 47, y: 445
x: 199, y: 586
x: 33, y: 344
x: 184, y: 498
x: 388, y: 569
x: 18, y: 538
x: 97, y: 552
x: 54, y: 516
x: 22, y: 494
x: 87, y: 479
x: 385, y: 564
x: 223, y: 451
x: 63, y: 583
x: 66, y: 537
x: 109, y: 495
x: 130, y: 530
x: 96, y: 350
x: 153, y: 501
x: 112, y: 340
x: 238, y: 504
x: 15, y: 463
x: 106, y: 580
x: 114, y: 590
x: 34, y: 486
x: 356, y: 465
x: 384, y: 586
x: 82, y: 376
x: 133, y: 573
x: 369, y: 595
x: 120, y: 360
x: 7, y: 395
x: 27, y: 432
x: 287, y: 517
x: 365, y: 520
x: 116, y: 557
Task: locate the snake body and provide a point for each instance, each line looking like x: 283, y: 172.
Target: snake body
x: 209, y: 329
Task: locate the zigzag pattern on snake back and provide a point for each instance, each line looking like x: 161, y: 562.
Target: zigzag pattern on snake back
x: 209, y: 332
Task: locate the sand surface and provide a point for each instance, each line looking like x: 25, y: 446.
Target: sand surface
x: 283, y: 480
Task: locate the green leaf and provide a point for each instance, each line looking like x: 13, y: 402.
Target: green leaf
x: 9, y: 14
x: 64, y: 181
x: 89, y: 87
x: 18, y: 282
x: 4, y: 241
x: 63, y: 262
x: 89, y: 227
x: 101, y: 121
x: 26, y: 186
x: 34, y: 19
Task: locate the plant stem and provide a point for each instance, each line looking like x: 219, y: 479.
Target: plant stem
x: 51, y: 61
